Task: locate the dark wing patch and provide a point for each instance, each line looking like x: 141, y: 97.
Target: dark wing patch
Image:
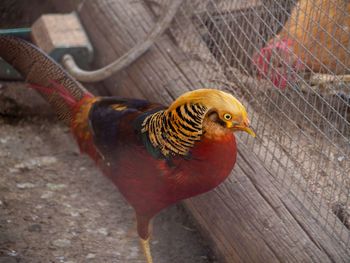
x: 107, y: 118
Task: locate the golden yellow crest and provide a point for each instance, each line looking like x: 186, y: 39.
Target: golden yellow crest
x: 222, y: 102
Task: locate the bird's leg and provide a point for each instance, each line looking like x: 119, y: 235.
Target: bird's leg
x: 143, y: 229
x: 146, y: 249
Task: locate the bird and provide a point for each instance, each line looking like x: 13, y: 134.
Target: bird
x: 155, y: 155
x: 314, y: 39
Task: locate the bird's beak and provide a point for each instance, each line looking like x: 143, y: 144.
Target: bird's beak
x: 247, y: 129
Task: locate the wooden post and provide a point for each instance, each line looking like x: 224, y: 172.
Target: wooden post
x: 250, y: 217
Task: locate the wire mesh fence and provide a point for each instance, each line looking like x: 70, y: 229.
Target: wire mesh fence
x: 289, y: 62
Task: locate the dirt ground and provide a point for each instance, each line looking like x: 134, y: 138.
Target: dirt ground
x: 55, y: 206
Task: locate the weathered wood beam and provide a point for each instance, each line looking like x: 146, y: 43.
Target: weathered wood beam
x: 250, y: 217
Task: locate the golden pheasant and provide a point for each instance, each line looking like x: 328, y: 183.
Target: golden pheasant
x: 155, y: 155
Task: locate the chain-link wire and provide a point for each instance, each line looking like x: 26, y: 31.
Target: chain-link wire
x: 289, y: 62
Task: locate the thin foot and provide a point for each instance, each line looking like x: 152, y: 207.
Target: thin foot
x: 146, y: 249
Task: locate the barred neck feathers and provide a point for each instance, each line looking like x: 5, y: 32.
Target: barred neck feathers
x: 211, y: 113
x: 175, y: 131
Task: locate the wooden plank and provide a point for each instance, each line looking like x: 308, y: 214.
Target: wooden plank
x: 58, y: 30
x: 202, y: 6
x: 250, y: 217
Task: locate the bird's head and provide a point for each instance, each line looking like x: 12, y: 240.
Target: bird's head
x: 218, y: 112
x: 278, y: 63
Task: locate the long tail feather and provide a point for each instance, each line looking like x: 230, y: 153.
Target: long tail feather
x: 65, y: 94
x: 44, y: 75
x: 41, y: 89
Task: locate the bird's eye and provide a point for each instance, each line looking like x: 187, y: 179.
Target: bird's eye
x: 227, y: 116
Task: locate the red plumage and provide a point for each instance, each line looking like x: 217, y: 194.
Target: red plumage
x: 150, y: 184
x: 162, y: 185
